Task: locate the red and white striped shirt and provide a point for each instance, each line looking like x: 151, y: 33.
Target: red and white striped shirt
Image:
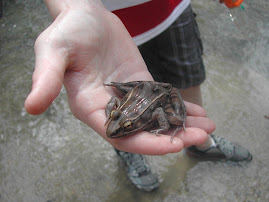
x: 145, y: 19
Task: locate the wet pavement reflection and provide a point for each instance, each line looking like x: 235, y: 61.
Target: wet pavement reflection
x: 55, y: 157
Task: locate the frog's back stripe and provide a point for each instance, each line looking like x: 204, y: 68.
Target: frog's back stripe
x: 148, y: 105
x: 141, y: 99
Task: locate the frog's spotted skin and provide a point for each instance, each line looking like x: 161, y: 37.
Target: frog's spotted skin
x: 145, y: 104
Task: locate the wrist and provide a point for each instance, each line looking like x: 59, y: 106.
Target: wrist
x: 57, y: 6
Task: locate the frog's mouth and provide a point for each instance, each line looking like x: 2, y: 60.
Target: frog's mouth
x: 120, y: 132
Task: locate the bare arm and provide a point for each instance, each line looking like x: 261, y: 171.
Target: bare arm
x: 83, y: 48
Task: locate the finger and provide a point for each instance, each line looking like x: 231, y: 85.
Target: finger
x: 148, y: 144
x: 201, y: 122
x: 192, y: 136
x: 142, y: 143
x: 194, y: 110
x: 151, y: 144
x: 48, y: 75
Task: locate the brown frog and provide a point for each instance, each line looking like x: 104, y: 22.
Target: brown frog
x: 145, y: 105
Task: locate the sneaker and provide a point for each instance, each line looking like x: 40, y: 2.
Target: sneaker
x: 223, y: 149
x: 138, y: 171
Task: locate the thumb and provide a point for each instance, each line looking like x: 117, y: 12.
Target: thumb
x: 50, y: 66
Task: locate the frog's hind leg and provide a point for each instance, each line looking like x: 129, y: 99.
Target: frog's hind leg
x: 124, y: 87
x: 175, y: 109
x: 174, y: 118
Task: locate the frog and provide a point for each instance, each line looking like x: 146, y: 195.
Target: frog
x: 145, y: 106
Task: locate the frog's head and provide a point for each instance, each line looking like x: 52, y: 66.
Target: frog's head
x: 120, y: 125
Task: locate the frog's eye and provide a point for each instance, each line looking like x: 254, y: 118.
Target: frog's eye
x: 115, y: 114
x: 127, y: 124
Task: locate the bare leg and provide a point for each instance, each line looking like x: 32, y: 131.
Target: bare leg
x: 194, y: 95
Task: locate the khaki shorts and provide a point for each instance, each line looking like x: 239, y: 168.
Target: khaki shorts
x: 175, y: 56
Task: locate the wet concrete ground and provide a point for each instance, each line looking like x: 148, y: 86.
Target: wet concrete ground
x: 54, y: 157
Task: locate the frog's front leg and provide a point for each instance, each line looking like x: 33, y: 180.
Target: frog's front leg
x: 114, y: 102
x: 160, y: 116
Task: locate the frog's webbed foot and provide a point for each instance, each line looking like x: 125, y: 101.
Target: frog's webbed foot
x: 157, y: 131
x: 178, y: 129
x: 184, y: 127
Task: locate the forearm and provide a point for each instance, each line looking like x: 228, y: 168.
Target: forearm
x: 57, y: 6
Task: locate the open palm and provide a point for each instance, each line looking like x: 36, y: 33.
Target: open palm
x: 85, y: 48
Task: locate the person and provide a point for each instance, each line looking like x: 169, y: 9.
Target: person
x: 87, y: 45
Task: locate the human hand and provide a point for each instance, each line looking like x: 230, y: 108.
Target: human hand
x: 85, y: 47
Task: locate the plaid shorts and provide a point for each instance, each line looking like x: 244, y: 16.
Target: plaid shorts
x: 175, y: 56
